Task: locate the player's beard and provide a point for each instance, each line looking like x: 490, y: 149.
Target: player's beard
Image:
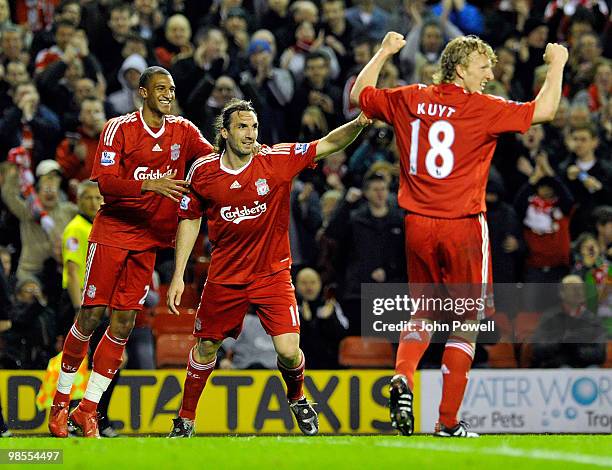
x: 241, y: 150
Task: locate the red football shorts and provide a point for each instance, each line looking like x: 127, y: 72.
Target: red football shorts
x: 116, y: 277
x: 223, y: 307
x: 453, y: 252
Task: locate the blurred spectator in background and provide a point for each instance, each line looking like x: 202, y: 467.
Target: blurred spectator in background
x: 588, y: 177
x: 208, y: 62
x: 603, y: 229
x: 370, y: 241
x: 363, y: 50
x: 68, y: 11
x: 505, y: 233
x: 12, y: 46
x: 37, y: 245
x: 176, y: 42
x: 466, y: 17
x: 544, y: 204
x: 569, y: 335
x: 31, y: 339
x: 376, y: 148
x: 270, y: 88
x: 29, y: 124
x: 207, y: 100
x: 279, y: 21
x: 115, y: 32
x: 595, y: 269
x: 148, y: 18
x: 596, y: 95
x: 236, y: 28
x: 127, y: 99
x: 15, y: 73
x: 322, y: 322
x: 338, y: 32
x: 58, y: 82
x: 368, y: 19
x: 530, y: 56
x: 424, y: 44
x: 305, y: 220
x: 76, y: 153
x: 318, y: 90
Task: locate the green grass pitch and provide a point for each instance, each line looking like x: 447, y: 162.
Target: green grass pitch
x: 328, y: 452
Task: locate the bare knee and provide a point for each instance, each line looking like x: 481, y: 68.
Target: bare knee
x: 205, y: 350
x: 122, y: 323
x: 89, y: 318
x: 288, y: 349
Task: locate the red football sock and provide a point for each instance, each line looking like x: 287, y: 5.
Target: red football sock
x: 197, y: 375
x: 75, y: 349
x: 456, y: 363
x: 108, y: 355
x: 412, y: 346
x: 106, y: 361
x: 294, y: 379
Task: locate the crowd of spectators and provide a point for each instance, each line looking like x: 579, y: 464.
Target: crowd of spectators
x: 68, y: 66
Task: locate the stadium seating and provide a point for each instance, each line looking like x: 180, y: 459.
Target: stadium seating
x: 501, y: 356
x: 166, y: 323
x: 172, y: 350
x: 608, y: 363
x: 357, y: 351
x: 525, y: 324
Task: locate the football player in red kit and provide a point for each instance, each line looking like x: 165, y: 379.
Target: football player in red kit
x: 138, y: 157
x: 244, y: 195
x: 446, y: 134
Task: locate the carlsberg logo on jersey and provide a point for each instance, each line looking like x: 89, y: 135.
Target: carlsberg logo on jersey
x: 145, y: 173
x: 237, y: 215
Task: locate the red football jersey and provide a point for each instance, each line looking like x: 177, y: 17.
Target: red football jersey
x: 446, y: 138
x: 129, y: 149
x: 247, y: 210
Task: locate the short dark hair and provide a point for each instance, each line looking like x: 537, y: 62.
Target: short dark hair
x: 149, y: 72
x: 602, y: 215
x: 587, y: 126
x: 121, y: 6
x: 223, y: 119
x: 373, y: 178
x: 316, y: 55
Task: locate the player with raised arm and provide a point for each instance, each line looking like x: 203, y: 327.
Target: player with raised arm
x: 446, y: 134
x: 138, y: 157
x: 244, y: 194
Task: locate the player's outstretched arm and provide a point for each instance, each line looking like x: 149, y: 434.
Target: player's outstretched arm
x: 186, y: 236
x: 166, y: 186
x: 342, y: 136
x: 548, y: 99
x: 392, y: 44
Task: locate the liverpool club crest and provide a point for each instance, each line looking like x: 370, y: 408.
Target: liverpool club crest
x: 175, y: 151
x: 262, y: 187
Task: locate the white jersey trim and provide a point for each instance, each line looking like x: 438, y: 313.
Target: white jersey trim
x: 113, y: 126
x: 232, y: 171
x: 155, y: 135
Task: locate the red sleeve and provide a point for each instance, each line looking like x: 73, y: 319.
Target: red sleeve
x: 382, y: 104
x: 198, y: 145
x: 191, y: 206
x: 507, y: 116
x: 117, y: 187
x: 290, y: 159
x: 110, y: 150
